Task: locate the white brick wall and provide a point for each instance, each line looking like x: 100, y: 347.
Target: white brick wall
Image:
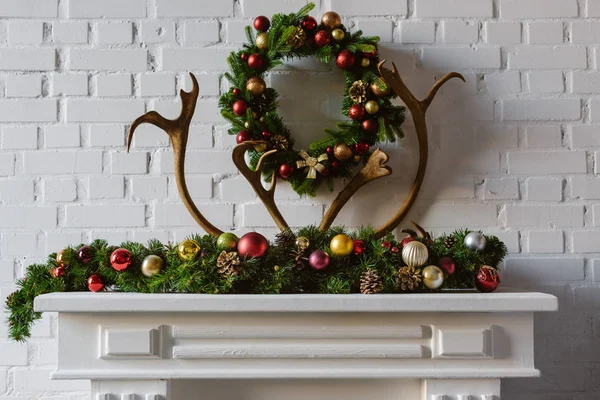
x: 515, y: 151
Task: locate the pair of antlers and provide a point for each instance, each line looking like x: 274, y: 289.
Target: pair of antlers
x: 374, y: 168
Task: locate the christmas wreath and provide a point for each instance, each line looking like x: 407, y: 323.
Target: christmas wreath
x: 251, y: 106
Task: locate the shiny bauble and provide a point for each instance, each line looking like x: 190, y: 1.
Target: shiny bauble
x: 262, y: 41
x: 415, y: 254
x: 152, y: 265
x: 359, y: 247
x: 302, y: 243
x: 239, y: 108
x: 370, y: 126
x: 338, y: 34
x: 365, y: 62
x: 58, y: 272
x: 342, y: 152
x: 318, y: 259
x: 252, y: 245
x: 242, y: 136
x: 448, y: 265
x: 341, y: 245
x: 266, y: 135
x: 372, y: 107
x: 286, y: 170
x: 188, y: 250
x: 120, y: 259
x: 356, y: 158
x: 322, y: 38
x: 256, y: 85
x: 475, y: 241
x: 227, y: 241
x: 244, y: 56
x: 395, y: 249
x: 356, y: 112
x: 62, y: 258
x: 95, y: 283
x: 361, y: 147
x: 380, y: 90
x: 385, y: 244
x: 236, y: 91
x: 309, y: 23
x: 331, y: 19
x: 85, y: 254
x: 487, y: 279
x: 262, y: 23
x: 433, y: 277
x: 407, y: 240
x: 345, y: 60
x: 256, y: 61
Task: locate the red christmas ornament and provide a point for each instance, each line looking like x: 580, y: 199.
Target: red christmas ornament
x: 236, y: 91
x: 120, y: 259
x: 447, y: 263
x: 406, y: 240
x: 334, y: 164
x: 356, y: 112
x: 95, y: 283
x: 386, y: 245
x: 244, y: 56
x: 266, y: 135
x: 395, y: 250
x: 58, y: 272
x: 361, y: 147
x: 345, y: 60
x: 370, y: 126
x: 242, y: 136
x: 85, y: 254
x: 322, y: 38
x: 253, y: 245
x: 240, y: 107
x: 256, y: 61
x: 359, y: 247
x: 286, y: 170
x: 329, y: 150
x: 309, y: 23
x: 318, y: 260
x: 262, y: 23
x: 487, y: 279
x: 370, y: 54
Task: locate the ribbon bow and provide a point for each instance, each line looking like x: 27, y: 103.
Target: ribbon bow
x: 313, y: 164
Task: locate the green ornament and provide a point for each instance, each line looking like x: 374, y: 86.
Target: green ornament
x: 227, y: 241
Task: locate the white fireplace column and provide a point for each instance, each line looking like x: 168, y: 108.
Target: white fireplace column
x: 439, y: 346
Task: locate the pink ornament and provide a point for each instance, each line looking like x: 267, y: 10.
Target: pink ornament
x: 319, y: 260
x: 447, y: 263
x: 407, y: 240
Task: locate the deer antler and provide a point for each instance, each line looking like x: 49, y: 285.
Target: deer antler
x: 267, y: 196
x: 178, y: 131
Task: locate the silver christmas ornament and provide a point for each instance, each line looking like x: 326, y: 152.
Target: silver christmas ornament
x: 415, y: 254
x: 475, y: 241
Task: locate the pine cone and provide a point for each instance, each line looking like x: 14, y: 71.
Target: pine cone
x: 280, y: 142
x: 228, y: 263
x: 285, y: 238
x: 409, y: 278
x: 370, y: 282
x: 358, y: 92
x: 300, y: 258
x: 298, y: 38
x: 449, y: 242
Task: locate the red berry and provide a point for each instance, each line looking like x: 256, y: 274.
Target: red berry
x: 256, y: 61
x: 359, y: 247
x: 361, y: 148
x: 286, y: 170
x: 356, y: 112
x: 244, y: 56
x: 239, y: 108
x: 386, y: 245
x: 236, y: 91
x: 309, y: 23
x: 266, y: 135
x: 394, y: 249
x: 334, y: 164
x: 58, y: 272
x: 242, y: 136
x: 262, y: 23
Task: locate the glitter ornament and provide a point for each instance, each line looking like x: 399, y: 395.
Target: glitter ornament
x: 338, y: 34
x: 359, y: 247
x: 309, y: 23
x: 331, y: 20
x: 256, y: 85
x: 322, y: 38
x: 487, y: 279
x: 227, y: 241
x: 372, y: 107
x: 356, y: 112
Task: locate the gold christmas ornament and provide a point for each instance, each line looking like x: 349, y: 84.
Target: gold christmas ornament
x: 188, y: 250
x: 280, y: 142
x: 409, y: 278
x: 341, y: 245
x: 433, y: 277
x: 298, y: 38
x: 331, y: 19
x: 256, y: 85
x: 365, y: 62
x: 260, y: 148
x: 338, y: 34
x: 262, y: 40
x: 380, y: 88
x: 246, y: 124
x: 152, y: 265
x: 372, y: 107
x: 342, y: 152
x: 302, y: 243
x: 415, y: 254
x: 358, y: 92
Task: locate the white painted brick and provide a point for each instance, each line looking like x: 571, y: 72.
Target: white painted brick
x: 207, y: 31
x: 62, y: 136
x: 586, y: 82
x: 40, y: 59
x: 7, y: 164
x: 255, y: 215
x: 561, y: 216
x: 63, y: 162
x: 109, y: 60
x: 541, y: 189
x: 203, y: 59
x: 104, y: 110
x: 596, y: 212
x: 70, y: 32
x: 523, y: 9
x: 19, y: 244
x: 541, y: 109
x: 207, y: 110
x: 441, y: 215
x: 508, y: 82
x: 150, y: 136
x: 586, y: 241
x: 545, y: 269
x: 416, y: 32
x: 20, y: 217
x: 23, y: 137
x: 158, y: 32
x: 115, y: 85
x: 596, y: 162
x: 25, y: 33
x: 594, y: 106
x: 176, y: 215
x: 546, y: 82
x: 106, y: 187
x: 453, y: 8
x: 29, y: 8
x: 585, y: 32
x: 460, y: 32
x: 377, y: 27
x: 543, y: 163
x: 501, y: 189
x: 38, y: 380
x: 252, y: 8
x: 28, y: 111
x: 23, y: 85
x: 70, y: 84
x: 545, y: 32
x: 105, y: 216
x: 209, y: 84
x: 503, y: 32
x: 596, y: 270
x: 144, y: 237
x: 151, y: 187
x: 58, y: 190
x: 214, y: 162
x: 16, y: 191
x: 197, y: 8
x: 115, y: 33
x: 129, y: 163
x: 236, y: 189
x: 547, y: 58
x: 461, y: 58
x: 585, y: 136
x: 107, y: 135
x: 376, y: 7
x: 157, y: 85
x: 107, y: 9
x: 543, y: 136
x: 593, y: 8
x: 7, y: 273
x: 583, y: 187
x: 550, y: 242
x: 13, y: 353
x: 235, y: 32
x: 497, y: 137
x: 109, y: 236
x: 201, y: 187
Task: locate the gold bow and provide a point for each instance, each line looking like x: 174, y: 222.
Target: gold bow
x: 312, y: 163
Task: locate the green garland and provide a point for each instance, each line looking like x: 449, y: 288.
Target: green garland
x: 287, y: 38
x: 283, y: 269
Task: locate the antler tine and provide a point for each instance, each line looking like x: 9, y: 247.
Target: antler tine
x: 267, y: 196
x: 178, y: 131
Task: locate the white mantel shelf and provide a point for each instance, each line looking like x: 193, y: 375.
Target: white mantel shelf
x: 428, y: 346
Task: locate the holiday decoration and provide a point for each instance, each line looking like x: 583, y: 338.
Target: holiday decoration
x: 312, y: 164
x: 319, y: 259
x: 58, y: 272
x: 228, y: 263
x: 252, y: 245
x: 256, y: 61
x: 152, y: 265
x: 345, y: 60
x: 341, y: 245
x: 227, y: 241
x: 385, y: 244
x: 370, y: 282
x: 409, y: 278
x: 298, y: 38
x: 370, y: 126
x: 342, y: 152
x: 95, y: 283
x: 61, y: 258
x: 286, y: 170
x: 380, y: 88
x: 240, y: 107
x: 120, y: 259
x: 236, y: 91
x: 406, y: 240
x: 447, y: 264
x: 358, y: 92
x: 322, y: 38
x: 395, y: 249
x: 365, y: 62
x: 256, y: 85
x: 361, y: 147
x: 309, y: 23
x: 475, y: 241
x: 433, y: 277
x: 415, y: 254
x: 449, y: 242
x: 356, y: 112
x: 331, y: 20
x: 85, y: 254
x: 188, y: 250
x: 302, y: 243
x: 359, y: 247
x: 262, y: 41
x: 242, y: 136
x: 338, y: 34
x: 262, y: 23
x: 487, y: 279
x: 372, y: 107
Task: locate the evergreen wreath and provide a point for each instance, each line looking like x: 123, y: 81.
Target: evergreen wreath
x: 251, y: 107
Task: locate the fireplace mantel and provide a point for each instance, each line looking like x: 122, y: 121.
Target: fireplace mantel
x: 438, y: 346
